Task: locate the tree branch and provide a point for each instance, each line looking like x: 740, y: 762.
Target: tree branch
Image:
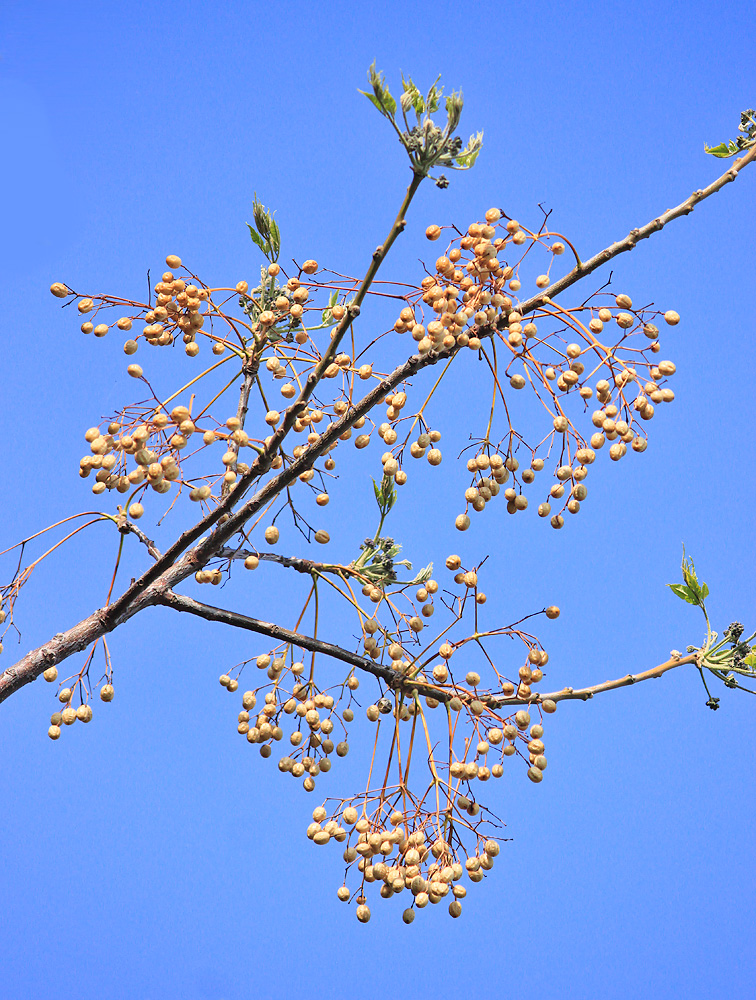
x: 308, y: 566
x: 125, y: 527
x: 584, y: 694
x: 636, y: 235
x: 395, y: 679
x: 179, y: 602
x: 65, y: 644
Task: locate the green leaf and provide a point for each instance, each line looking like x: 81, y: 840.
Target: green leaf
x: 698, y: 591
x: 423, y: 575
x: 327, y: 317
x: 469, y: 154
x: 275, y: 238
x: 268, y: 230
x: 467, y: 159
x: 385, y: 494
x: 263, y: 244
x: 723, y: 150
x: 261, y: 218
x: 374, y: 100
x: 683, y: 592
x: 743, y: 142
x: 388, y: 102
x: 383, y: 99
x: 750, y: 660
x: 454, y: 105
x: 414, y: 95
x: 434, y: 98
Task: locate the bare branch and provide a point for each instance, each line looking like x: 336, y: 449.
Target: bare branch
x: 308, y: 566
x: 65, y: 644
x: 395, y: 679
x: 181, y: 603
x: 584, y: 694
x: 636, y: 235
x: 125, y: 527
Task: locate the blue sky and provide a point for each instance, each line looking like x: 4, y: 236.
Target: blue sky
x: 150, y: 855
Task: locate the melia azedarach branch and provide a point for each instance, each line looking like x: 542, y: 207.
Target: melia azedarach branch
x: 434, y: 819
x: 167, y: 572
x: 397, y: 680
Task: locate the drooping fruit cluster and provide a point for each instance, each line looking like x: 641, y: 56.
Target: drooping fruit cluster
x: 426, y: 832
x: 316, y: 719
x: 74, y: 690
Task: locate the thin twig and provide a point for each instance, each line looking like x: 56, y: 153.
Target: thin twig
x: 127, y: 527
x: 584, y: 694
